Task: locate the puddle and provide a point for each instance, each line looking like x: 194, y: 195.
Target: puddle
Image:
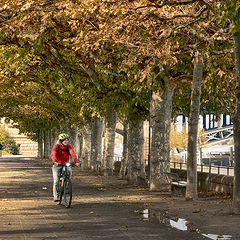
x: 181, y: 224
x: 216, y: 237
x: 145, y: 214
x: 177, y: 223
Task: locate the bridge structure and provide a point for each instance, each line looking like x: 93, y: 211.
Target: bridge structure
x: 215, y: 130
x: 217, y: 148
x: 218, y: 134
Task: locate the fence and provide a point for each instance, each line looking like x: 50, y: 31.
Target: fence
x: 208, y: 168
x: 221, y: 170
x: 117, y: 158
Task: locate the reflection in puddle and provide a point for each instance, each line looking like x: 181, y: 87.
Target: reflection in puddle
x: 145, y: 214
x: 218, y: 237
x: 181, y: 224
x: 178, y: 223
x: 158, y: 217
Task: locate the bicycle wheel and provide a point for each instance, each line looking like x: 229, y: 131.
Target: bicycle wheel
x: 60, y: 190
x: 67, y: 191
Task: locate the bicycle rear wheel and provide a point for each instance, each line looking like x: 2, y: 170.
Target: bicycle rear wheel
x: 67, y: 191
x: 60, y: 190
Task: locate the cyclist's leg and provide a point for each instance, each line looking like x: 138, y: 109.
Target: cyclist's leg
x: 55, y: 171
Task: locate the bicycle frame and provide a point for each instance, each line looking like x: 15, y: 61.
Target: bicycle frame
x: 64, y: 184
x: 64, y: 172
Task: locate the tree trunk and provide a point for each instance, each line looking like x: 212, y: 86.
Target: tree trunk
x: 109, y: 142
x: 74, y: 140
x: 136, y: 165
x: 54, y: 137
x: 191, y: 190
x: 96, y: 143
x: 72, y: 135
x: 40, y: 143
x: 47, y: 143
x: 236, y: 129
x: 124, y: 160
x: 86, y: 147
x: 161, y: 109
x: 78, y: 143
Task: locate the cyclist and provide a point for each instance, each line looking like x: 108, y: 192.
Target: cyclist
x: 60, y: 153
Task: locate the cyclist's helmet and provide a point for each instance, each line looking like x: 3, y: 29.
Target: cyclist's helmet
x: 62, y: 137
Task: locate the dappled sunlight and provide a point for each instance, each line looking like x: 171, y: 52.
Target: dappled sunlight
x: 102, y: 207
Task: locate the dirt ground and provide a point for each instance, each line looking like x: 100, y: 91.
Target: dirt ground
x: 104, y: 208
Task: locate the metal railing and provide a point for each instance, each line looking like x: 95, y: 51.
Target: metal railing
x: 220, y: 170
x: 117, y: 158
x: 223, y: 170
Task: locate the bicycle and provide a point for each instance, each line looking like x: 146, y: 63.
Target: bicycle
x: 64, y: 185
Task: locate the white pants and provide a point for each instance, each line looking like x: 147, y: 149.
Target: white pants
x: 56, y: 172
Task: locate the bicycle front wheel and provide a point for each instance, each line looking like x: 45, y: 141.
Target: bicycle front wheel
x: 67, y: 193
x: 60, y: 190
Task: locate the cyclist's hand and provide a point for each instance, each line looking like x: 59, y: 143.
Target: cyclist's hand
x: 56, y: 164
x: 77, y: 164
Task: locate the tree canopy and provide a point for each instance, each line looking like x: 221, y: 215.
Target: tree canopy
x: 64, y: 61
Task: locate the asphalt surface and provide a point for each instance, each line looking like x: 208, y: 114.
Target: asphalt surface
x: 100, y: 209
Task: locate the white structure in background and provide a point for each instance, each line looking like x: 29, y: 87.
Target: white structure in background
x: 215, y: 131
x: 206, y: 121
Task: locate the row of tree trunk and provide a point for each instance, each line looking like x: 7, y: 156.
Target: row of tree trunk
x: 94, y: 146
x: 94, y: 143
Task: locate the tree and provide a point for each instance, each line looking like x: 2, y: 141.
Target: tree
x: 86, y: 146
x: 191, y: 190
x: 161, y: 109
x: 169, y: 75
x: 109, y: 140
x: 124, y: 160
x: 136, y: 164
x: 194, y: 21
x: 67, y: 51
x: 228, y: 14
x: 236, y: 124
x: 236, y: 128
x: 7, y: 142
x: 96, y: 142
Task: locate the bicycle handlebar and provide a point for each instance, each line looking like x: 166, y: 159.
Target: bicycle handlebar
x: 67, y: 164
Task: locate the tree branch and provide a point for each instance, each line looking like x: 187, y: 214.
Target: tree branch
x: 168, y: 3
x: 182, y: 79
x: 179, y: 16
x: 207, y: 5
x: 224, y: 52
x: 184, y: 26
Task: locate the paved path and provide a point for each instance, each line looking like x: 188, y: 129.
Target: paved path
x: 28, y: 212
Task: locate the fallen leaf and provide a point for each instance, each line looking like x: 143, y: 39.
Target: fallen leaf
x: 196, y: 211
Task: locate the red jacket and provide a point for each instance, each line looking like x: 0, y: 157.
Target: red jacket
x: 61, y: 156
